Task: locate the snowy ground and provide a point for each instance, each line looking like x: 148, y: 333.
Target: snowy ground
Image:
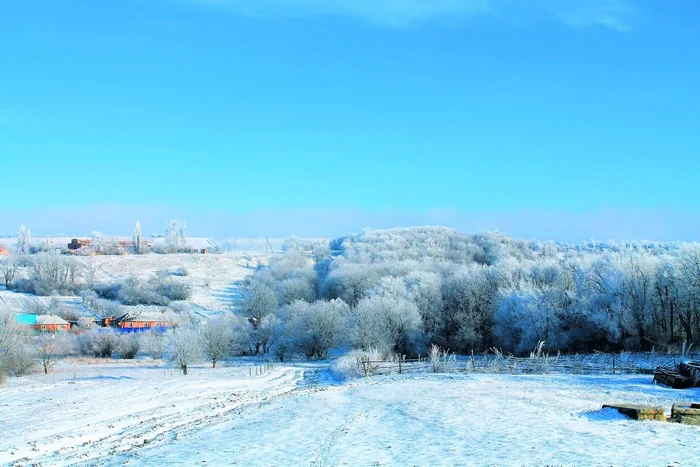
x: 213, y: 278
x: 140, y: 413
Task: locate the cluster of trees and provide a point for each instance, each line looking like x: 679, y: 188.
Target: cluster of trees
x: 52, y: 274
x: 21, y: 350
x: 404, y: 290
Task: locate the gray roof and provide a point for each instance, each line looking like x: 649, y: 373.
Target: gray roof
x: 50, y: 319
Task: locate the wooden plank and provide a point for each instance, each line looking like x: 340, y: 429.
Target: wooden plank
x: 639, y: 412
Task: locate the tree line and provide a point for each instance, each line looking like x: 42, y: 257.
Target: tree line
x: 403, y: 290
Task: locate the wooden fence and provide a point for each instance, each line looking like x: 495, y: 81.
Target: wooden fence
x: 596, y: 363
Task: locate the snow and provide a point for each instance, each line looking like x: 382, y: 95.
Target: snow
x: 145, y: 414
x: 213, y: 278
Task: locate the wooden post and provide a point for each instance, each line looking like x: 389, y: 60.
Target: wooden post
x: 400, y: 369
x: 613, y: 359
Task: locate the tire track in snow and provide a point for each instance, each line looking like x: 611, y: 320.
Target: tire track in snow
x: 167, y: 420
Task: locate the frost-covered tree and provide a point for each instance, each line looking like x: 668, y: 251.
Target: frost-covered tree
x: 12, y: 337
x: 138, y: 238
x: 175, y: 236
x: 314, y: 328
x: 153, y: 342
x: 24, y: 239
x: 217, y: 339
x: 49, y: 348
x: 259, y: 300
x: 105, y: 245
x: 296, y: 288
x: 469, y: 295
x: 185, y: 347
x: 52, y: 273
x: 387, y: 320
x: 8, y: 269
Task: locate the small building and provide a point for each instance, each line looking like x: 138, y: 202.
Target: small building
x: 146, y: 320
x: 51, y: 323
x: 78, y: 243
x: 3, y: 251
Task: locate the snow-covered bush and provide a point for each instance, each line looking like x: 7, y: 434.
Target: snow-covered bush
x: 349, y: 365
x: 314, y: 328
x: 129, y: 345
x: 440, y: 361
x: 153, y: 343
x: 98, y: 342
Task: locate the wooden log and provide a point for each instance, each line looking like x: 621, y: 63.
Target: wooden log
x: 639, y: 412
x: 684, y: 410
x: 672, y: 378
x: 690, y: 421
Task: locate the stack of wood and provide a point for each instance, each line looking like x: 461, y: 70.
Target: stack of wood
x: 686, y: 375
x: 685, y: 412
x: 639, y: 412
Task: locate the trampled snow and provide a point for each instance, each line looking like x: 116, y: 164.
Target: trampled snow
x: 146, y: 414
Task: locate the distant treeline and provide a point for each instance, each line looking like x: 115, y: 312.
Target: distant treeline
x: 402, y: 290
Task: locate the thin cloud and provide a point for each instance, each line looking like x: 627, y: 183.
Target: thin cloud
x: 613, y: 14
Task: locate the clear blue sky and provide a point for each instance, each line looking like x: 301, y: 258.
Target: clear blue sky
x: 253, y: 117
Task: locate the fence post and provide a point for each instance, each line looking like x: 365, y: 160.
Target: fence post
x: 613, y: 359
x: 400, y: 368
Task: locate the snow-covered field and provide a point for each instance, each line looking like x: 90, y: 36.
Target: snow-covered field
x: 140, y: 413
x: 213, y: 278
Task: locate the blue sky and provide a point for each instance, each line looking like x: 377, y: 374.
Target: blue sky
x: 556, y: 119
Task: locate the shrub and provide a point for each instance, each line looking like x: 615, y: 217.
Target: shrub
x: 176, y: 291
x: 348, y: 366
x: 99, y: 342
x: 440, y: 361
x: 129, y: 346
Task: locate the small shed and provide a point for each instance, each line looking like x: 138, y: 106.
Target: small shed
x: 51, y: 323
x: 25, y: 319
x: 3, y: 251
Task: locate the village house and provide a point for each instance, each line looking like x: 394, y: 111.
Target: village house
x: 78, y: 243
x: 43, y: 323
x: 3, y: 251
x: 141, y: 321
x: 51, y: 323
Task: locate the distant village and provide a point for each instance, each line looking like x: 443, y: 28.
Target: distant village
x: 144, y: 321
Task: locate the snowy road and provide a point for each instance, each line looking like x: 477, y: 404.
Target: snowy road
x: 225, y: 417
